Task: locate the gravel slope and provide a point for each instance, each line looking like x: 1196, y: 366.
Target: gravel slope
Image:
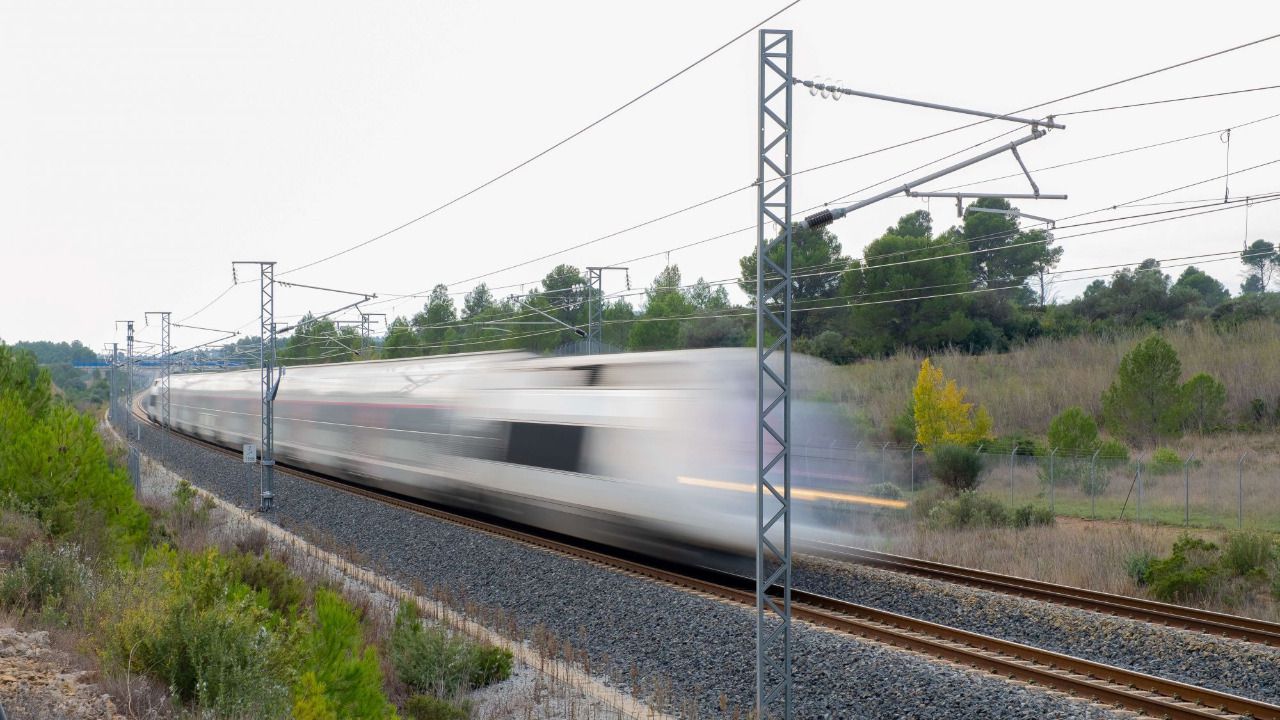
x: 1242, y: 668
x: 703, y: 648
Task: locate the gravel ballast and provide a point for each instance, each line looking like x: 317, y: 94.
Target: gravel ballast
x: 703, y: 649
x: 1234, y: 666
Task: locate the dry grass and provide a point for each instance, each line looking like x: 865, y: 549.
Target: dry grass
x: 1024, y: 389
x: 1081, y: 553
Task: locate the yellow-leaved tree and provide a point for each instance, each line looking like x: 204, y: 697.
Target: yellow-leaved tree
x: 942, y: 415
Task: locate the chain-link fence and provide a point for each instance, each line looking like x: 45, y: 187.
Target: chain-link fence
x: 1225, y: 489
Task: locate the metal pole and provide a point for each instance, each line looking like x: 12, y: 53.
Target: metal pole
x: 166, y: 351
x: 1240, y: 491
x: 128, y: 413
x: 1093, y: 485
x: 913, y: 466
x: 1052, y: 452
x: 773, y: 294
x: 1186, y: 490
x: 595, y: 306
x: 269, y: 381
x: 1012, y: 455
x: 113, y: 413
x: 1137, y: 515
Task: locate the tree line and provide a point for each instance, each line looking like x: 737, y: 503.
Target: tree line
x: 984, y: 284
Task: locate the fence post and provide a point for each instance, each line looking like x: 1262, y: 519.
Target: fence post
x: 1186, y: 490
x: 1012, y: 454
x: 1093, y: 485
x: 1052, y: 452
x: 884, y: 467
x: 1240, y: 491
x: 1138, y: 514
x: 913, y: 466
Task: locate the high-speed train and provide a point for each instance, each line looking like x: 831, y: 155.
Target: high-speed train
x: 652, y: 452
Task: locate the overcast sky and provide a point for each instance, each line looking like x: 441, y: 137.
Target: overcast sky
x: 146, y: 145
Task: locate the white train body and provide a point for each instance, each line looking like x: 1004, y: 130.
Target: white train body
x: 653, y: 452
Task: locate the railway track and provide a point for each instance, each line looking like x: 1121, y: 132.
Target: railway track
x: 1086, y: 679
x: 1177, y: 616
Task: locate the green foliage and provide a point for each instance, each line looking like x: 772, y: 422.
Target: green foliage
x: 428, y: 707
x: 818, y: 249
x: 1249, y: 552
x: 1191, y: 571
x: 430, y: 660
x: 903, y: 429
x: 885, y: 490
x: 968, y: 510
x: 44, y: 581
x: 1261, y: 261
x: 1208, y: 291
x: 1112, y: 450
x: 1030, y: 515
x: 185, y: 620
x: 53, y: 462
x: 1144, y: 401
x: 337, y: 664
x: 1164, y: 461
x: 1073, y: 432
x: 956, y: 467
x: 284, y: 592
x: 1204, y: 403
x: 25, y: 381
x: 1138, y: 567
x: 489, y: 664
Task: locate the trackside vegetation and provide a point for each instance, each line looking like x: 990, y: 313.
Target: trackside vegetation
x: 183, y: 623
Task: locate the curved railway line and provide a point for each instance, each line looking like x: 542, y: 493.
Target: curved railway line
x: 1177, y: 616
x: 1105, y: 684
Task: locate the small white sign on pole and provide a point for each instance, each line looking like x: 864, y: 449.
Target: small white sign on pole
x: 250, y: 453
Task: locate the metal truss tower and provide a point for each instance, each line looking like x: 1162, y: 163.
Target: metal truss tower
x: 128, y: 413
x: 595, y: 310
x: 773, y: 352
x: 166, y: 351
x: 270, y: 383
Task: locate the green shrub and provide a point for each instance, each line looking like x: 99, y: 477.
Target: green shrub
x: 888, y: 491
x: 1189, y: 573
x: 903, y: 428
x: 1073, y: 432
x: 956, y: 467
x: 431, y: 661
x: 1029, y: 515
x: 17, y: 532
x: 335, y: 668
x: 284, y: 591
x: 1112, y: 451
x: 427, y: 707
x: 1164, y: 461
x: 489, y: 664
x: 1138, y: 567
x: 968, y: 510
x: 1248, y: 552
x: 55, y: 464
x: 44, y: 581
x: 186, y: 620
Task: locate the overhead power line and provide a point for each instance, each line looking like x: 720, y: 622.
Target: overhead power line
x: 1167, y: 100
x: 558, y: 144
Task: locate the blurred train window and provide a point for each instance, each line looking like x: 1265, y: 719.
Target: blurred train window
x: 544, y: 445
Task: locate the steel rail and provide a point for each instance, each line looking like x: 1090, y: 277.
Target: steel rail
x: 1178, y: 616
x: 1098, y: 682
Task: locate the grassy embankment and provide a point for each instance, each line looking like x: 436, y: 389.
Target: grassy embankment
x: 181, y: 621
x: 1024, y: 389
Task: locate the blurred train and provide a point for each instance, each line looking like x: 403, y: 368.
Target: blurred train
x: 651, y: 452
